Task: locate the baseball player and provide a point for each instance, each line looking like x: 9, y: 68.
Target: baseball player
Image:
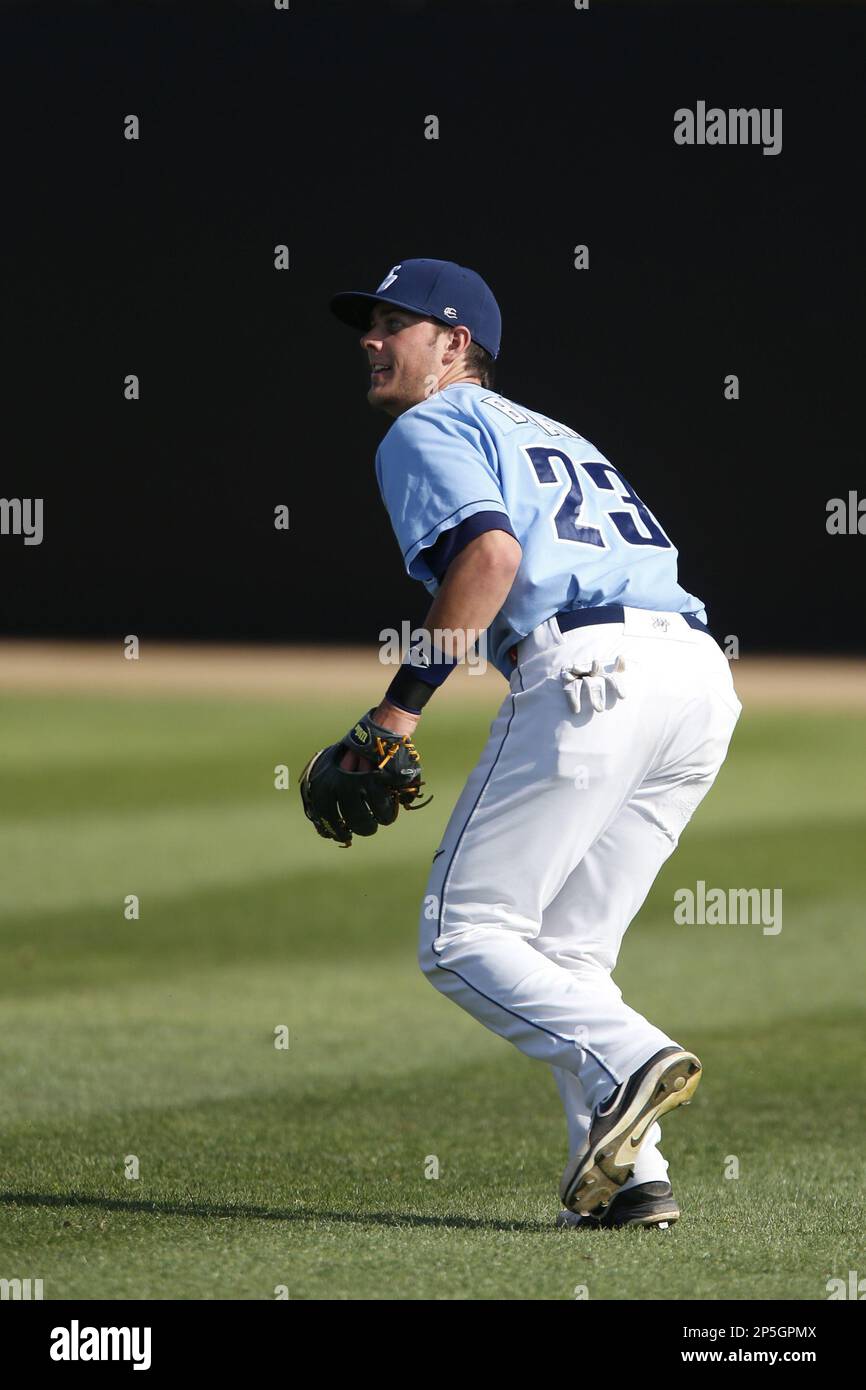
x: 619, y: 714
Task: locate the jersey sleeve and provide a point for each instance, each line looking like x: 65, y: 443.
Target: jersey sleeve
x: 449, y: 544
x: 433, y: 473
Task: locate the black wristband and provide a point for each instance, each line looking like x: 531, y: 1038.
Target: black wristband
x: 407, y: 691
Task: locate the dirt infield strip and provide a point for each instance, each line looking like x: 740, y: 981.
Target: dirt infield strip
x: 276, y: 672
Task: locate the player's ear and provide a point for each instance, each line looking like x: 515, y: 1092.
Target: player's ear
x: 459, y: 339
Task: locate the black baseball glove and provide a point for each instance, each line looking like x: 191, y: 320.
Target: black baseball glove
x: 341, y: 803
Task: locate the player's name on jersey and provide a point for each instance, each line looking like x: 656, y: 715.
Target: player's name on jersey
x: 525, y: 417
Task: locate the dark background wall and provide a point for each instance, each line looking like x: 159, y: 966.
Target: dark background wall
x: 307, y: 127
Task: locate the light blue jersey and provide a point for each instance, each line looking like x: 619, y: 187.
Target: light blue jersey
x: 587, y: 538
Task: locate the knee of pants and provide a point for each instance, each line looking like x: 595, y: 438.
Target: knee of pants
x: 427, y: 932
x: 429, y: 958
x: 426, y: 960
x: 428, y: 963
x: 432, y: 932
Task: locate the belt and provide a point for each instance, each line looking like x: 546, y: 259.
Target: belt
x: 571, y: 618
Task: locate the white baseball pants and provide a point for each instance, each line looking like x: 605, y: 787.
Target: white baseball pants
x: 558, y: 835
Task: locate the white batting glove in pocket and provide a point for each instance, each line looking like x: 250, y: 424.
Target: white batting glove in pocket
x: 596, y: 681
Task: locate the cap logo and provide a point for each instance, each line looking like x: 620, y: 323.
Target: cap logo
x: 390, y: 277
x: 450, y: 313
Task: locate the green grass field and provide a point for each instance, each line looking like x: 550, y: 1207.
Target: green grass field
x: 305, y: 1167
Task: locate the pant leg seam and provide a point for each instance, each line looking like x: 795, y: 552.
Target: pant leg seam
x: 558, y: 1037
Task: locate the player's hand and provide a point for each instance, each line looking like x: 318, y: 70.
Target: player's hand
x: 382, y: 773
x: 389, y: 717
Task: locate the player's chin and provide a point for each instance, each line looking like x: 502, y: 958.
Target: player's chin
x: 381, y: 396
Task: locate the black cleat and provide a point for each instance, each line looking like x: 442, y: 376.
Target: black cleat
x: 645, y: 1204
x: 620, y: 1125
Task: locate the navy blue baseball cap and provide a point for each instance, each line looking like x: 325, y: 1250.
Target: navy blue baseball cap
x: 438, y: 290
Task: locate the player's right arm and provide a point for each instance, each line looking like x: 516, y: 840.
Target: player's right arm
x: 473, y: 590
x: 443, y: 495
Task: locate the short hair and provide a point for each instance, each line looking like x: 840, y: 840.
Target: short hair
x: 478, y: 360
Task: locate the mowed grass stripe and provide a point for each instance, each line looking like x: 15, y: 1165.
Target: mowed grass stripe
x: 56, y: 863
x: 152, y: 1041
x: 361, y: 1132
x: 95, y: 860
x: 288, y: 917
x: 58, y: 858
x: 131, y: 756
x: 103, y: 755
